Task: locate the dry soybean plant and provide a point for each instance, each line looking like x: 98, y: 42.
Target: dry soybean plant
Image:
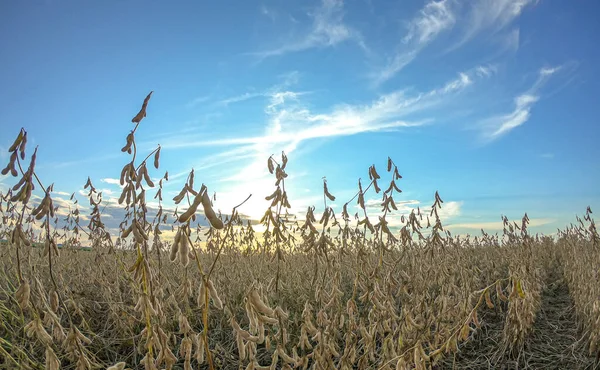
x: 377, y: 289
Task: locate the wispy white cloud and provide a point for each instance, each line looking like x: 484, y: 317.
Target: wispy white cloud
x: 268, y: 12
x: 486, y: 71
x: 443, y: 16
x: 497, y: 126
x: 434, y: 18
x: 240, y: 98
x: 3, y: 186
x: 281, y: 89
x: 548, y: 71
x: 221, y: 160
x: 450, y: 210
x: 289, y: 78
x: 3, y: 154
x: 491, y: 16
x: 547, y: 155
x: 397, y: 63
x: 328, y: 29
x: 105, y: 191
x: 198, y: 100
x: 111, y: 181
x: 290, y: 121
x: 512, y: 40
x: 62, y: 193
x: 503, y: 124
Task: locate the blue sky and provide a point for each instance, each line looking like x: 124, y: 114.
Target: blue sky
x: 491, y: 103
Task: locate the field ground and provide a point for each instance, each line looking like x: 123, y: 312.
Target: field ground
x: 553, y: 344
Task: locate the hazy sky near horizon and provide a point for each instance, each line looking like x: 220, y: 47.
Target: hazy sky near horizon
x: 493, y: 103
